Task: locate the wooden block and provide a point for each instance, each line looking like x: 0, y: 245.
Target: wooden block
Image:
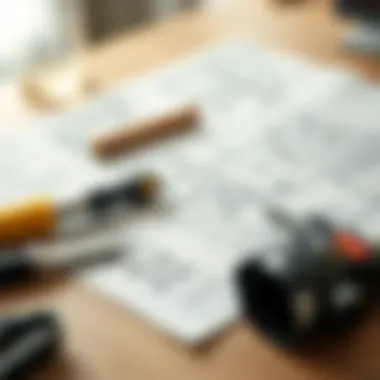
x: 129, y: 138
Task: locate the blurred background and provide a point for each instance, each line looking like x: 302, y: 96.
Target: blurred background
x: 33, y: 32
x: 36, y: 36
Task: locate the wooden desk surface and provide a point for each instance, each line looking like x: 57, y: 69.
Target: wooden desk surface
x: 105, y: 341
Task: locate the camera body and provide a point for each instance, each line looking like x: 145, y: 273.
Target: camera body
x: 318, y: 284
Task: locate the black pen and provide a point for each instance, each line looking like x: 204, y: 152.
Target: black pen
x: 28, y: 263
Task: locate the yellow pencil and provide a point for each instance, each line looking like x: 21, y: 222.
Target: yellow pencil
x: 41, y: 217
